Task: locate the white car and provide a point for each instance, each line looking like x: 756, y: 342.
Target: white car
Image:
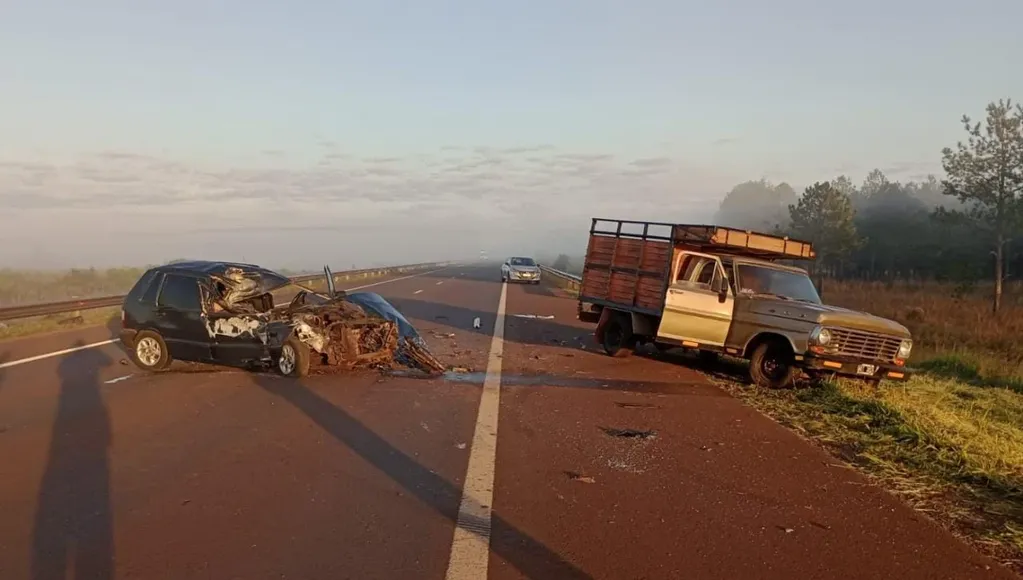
x: 519, y: 269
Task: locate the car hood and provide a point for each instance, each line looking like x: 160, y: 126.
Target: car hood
x: 827, y: 315
x: 533, y: 269
x: 412, y: 349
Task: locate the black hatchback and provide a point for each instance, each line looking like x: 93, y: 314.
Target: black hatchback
x: 245, y: 315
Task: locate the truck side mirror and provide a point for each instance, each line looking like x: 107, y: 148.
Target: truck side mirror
x: 721, y: 288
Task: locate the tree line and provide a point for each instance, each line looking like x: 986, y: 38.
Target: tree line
x: 964, y: 226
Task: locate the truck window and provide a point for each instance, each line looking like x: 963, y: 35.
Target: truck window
x: 180, y: 293
x: 763, y: 280
x: 707, y: 272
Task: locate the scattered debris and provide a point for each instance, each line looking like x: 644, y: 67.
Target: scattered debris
x: 436, y: 334
x: 537, y: 316
x: 580, y: 477
x: 461, y: 370
x: 425, y: 426
x: 476, y: 322
x: 460, y: 445
x: 123, y: 361
x: 118, y: 379
x: 637, y: 405
x: 628, y: 433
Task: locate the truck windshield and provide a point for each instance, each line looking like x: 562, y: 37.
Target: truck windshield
x: 522, y: 262
x: 782, y: 283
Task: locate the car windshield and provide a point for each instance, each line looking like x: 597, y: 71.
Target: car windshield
x: 283, y: 295
x: 522, y: 262
x: 781, y: 283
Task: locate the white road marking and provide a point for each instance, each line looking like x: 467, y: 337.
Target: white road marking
x: 439, y: 283
x: 417, y: 291
x: 470, y: 548
x: 15, y: 363
x: 118, y: 379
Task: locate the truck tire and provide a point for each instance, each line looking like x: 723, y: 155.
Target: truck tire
x: 772, y: 366
x: 617, y: 339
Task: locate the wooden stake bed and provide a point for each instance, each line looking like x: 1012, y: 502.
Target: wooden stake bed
x: 628, y: 263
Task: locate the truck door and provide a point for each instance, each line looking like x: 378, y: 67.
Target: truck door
x: 698, y: 306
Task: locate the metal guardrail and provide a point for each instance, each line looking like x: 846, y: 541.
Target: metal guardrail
x: 67, y: 306
x: 570, y: 280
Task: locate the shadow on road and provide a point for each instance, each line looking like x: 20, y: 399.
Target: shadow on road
x: 73, y: 523
x: 532, y: 558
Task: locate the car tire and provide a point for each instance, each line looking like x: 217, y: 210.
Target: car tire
x: 772, y: 366
x: 293, y: 360
x: 616, y: 339
x: 149, y: 351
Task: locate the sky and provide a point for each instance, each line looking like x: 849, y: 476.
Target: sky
x: 300, y: 133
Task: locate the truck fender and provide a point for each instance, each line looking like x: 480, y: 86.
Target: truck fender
x: 756, y: 339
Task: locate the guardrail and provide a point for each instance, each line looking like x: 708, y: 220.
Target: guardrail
x: 67, y: 306
x: 570, y: 281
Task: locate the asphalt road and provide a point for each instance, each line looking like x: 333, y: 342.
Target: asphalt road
x: 202, y: 472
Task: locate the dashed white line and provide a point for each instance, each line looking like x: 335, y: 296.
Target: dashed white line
x: 118, y: 379
x: 439, y: 283
x: 417, y: 291
x: 470, y: 548
x: 15, y: 363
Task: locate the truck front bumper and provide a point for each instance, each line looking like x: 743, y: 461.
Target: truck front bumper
x: 861, y: 369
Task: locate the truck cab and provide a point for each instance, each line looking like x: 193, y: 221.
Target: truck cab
x: 722, y: 290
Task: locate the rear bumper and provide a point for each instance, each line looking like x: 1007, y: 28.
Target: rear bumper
x: 854, y: 368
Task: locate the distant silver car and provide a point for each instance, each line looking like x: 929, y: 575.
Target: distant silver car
x: 519, y: 269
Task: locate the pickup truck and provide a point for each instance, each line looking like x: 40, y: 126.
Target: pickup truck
x: 722, y: 290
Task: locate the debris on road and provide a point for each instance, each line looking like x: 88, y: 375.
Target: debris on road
x: 580, y: 477
x: 628, y: 433
x: 476, y: 322
x: 460, y: 445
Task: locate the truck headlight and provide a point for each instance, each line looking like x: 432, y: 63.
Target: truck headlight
x: 820, y: 336
x: 904, y: 349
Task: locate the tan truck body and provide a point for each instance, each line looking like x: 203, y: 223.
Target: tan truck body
x: 718, y: 289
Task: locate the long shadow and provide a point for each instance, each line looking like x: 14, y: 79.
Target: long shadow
x: 526, y: 554
x: 73, y: 522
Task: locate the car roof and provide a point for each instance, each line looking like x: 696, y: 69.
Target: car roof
x: 219, y: 268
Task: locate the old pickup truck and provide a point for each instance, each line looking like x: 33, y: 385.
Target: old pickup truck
x: 715, y: 289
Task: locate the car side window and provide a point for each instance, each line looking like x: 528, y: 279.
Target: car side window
x: 180, y: 293
x: 149, y: 296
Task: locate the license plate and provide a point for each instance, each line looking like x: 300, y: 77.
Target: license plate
x: 866, y: 369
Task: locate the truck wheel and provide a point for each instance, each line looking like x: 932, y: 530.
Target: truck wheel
x: 293, y: 360
x: 617, y: 342
x: 772, y: 366
x: 149, y: 351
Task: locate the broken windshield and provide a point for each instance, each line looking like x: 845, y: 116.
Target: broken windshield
x: 283, y: 295
x: 781, y: 283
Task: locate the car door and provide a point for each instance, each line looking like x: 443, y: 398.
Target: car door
x: 179, y: 318
x: 698, y: 306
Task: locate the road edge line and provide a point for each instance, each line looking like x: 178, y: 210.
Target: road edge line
x: 470, y: 546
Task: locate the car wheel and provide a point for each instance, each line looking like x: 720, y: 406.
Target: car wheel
x: 772, y: 366
x: 149, y: 351
x: 293, y: 360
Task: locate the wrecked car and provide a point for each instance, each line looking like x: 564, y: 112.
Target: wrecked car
x: 245, y: 315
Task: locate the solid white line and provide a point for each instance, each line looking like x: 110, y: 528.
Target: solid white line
x: 470, y: 548
x: 15, y: 363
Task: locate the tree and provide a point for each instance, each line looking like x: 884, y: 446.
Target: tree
x: 986, y: 175
x: 824, y: 216
x: 563, y: 262
x: 756, y: 205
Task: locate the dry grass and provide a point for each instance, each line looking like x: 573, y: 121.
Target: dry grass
x: 23, y: 327
x: 947, y: 320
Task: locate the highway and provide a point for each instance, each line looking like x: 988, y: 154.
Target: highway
x: 217, y: 473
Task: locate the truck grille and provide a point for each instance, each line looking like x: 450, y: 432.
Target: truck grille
x: 864, y: 345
